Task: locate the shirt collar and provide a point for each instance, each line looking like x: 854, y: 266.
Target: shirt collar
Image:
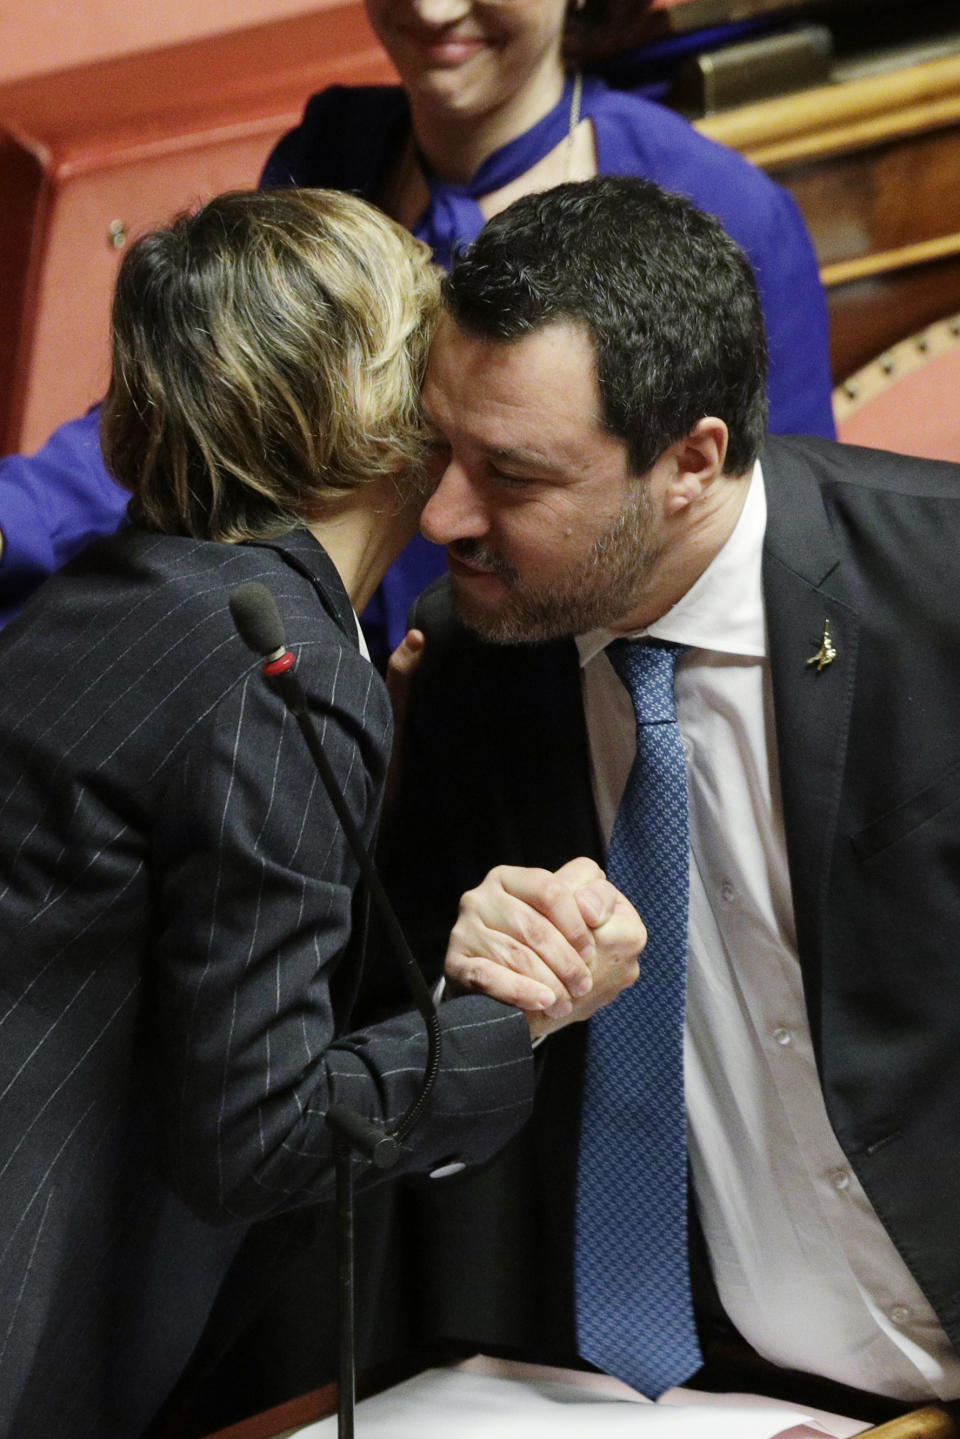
x: 361, y: 637
x: 723, y: 610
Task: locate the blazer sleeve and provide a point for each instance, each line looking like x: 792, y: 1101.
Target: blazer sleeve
x: 255, y: 886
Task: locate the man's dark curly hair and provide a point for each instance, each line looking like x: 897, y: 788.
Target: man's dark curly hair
x: 666, y: 295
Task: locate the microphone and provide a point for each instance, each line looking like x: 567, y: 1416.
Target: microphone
x: 258, y: 620
x: 259, y: 624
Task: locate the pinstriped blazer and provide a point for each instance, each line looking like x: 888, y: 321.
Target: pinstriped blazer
x: 175, y: 900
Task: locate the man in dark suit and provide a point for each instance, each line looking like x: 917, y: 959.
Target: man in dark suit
x: 595, y: 390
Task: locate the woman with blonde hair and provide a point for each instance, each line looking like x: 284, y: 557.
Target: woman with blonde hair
x: 180, y: 915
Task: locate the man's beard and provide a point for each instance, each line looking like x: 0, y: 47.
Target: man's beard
x: 598, y: 590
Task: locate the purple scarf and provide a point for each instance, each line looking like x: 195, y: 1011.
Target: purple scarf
x: 453, y: 218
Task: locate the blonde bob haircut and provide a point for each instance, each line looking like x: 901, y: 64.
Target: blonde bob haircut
x: 268, y: 353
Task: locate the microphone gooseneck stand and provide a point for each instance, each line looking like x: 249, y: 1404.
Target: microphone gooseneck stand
x: 260, y: 626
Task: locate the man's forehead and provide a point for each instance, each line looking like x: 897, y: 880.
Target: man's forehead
x: 545, y: 375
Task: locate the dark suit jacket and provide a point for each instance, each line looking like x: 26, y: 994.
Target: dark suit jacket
x: 175, y: 900
x: 869, y: 752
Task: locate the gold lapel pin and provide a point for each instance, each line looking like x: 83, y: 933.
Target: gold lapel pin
x: 826, y: 654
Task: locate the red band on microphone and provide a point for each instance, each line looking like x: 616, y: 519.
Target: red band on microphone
x: 280, y: 666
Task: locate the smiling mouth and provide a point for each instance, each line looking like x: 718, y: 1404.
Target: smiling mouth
x: 445, y: 49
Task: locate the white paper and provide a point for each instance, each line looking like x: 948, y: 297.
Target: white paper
x: 484, y: 1398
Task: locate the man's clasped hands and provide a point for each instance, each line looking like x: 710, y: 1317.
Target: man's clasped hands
x: 557, y: 945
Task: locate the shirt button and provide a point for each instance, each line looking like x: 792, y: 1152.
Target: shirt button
x: 782, y: 1035
x: 840, y: 1179
x: 446, y: 1171
x: 900, y: 1313
x: 728, y: 891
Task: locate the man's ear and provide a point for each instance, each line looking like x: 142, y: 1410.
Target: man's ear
x: 695, y: 462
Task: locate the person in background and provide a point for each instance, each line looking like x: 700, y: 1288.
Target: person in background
x: 727, y: 665
x: 492, y: 106
x: 181, y: 917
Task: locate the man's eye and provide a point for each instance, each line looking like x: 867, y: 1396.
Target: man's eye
x: 436, y: 454
x: 507, y: 481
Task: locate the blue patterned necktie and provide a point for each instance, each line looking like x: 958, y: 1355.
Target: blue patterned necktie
x: 634, y: 1309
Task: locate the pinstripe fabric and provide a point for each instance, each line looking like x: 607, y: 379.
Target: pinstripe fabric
x: 175, y: 897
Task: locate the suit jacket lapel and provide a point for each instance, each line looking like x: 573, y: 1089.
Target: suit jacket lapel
x: 804, y: 589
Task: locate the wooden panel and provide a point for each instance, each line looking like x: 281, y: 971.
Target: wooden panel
x: 882, y: 197
x: 97, y: 114
x: 67, y: 366
x: 838, y: 119
x: 280, y: 1423
x: 284, y: 1420
x: 868, y: 316
x: 875, y: 167
x: 45, y: 35
x: 897, y: 204
x: 133, y: 141
x: 21, y: 218
x: 928, y: 1423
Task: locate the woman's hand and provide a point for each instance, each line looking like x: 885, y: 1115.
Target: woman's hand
x: 556, y: 945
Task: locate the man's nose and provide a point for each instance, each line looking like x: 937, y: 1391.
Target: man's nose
x: 453, y: 511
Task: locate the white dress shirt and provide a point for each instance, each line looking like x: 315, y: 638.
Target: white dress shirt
x: 804, y: 1267
x: 361, y: 637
